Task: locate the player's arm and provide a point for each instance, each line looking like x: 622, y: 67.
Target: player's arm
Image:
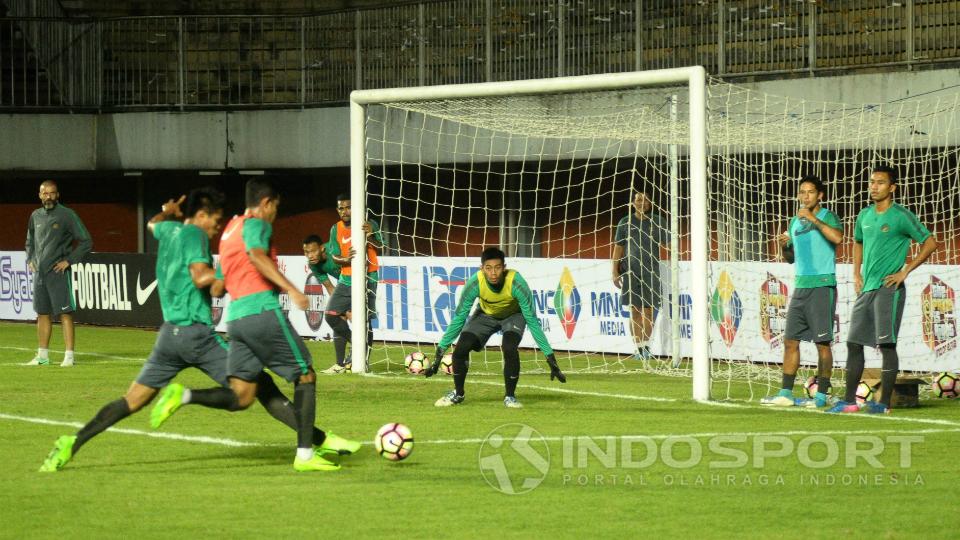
x: 471, y: 291
x: 197, y: 253
x: 84, y: 242
x: 521, y: 292
x: 926, y: 249
x: 322, y: 277
x: 218, y: 288
x: 256, y: 240
x: 786, y: 243
x: 830, y: 228
x: 858, y: 254
x: 29, y: 246
x: 372, y: 231
x: 202, y: 275
x: 169, y: 211
x: 615, y: 260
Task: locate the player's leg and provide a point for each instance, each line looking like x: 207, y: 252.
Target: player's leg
x: 512, y: 328
x: 42, y: 306
x: 797, y: 329
x: 820, y: 312
x: 862, y: 333
x: 466, y: 343
x: 888, y: 316
x: 273, y: 340
x: 69, y: 336
x: 160, y: 368
x: 338, y: 305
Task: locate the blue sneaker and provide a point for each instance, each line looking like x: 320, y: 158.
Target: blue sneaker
x: 643, y: 354
x: 844, y: 407
x: 875, y: 407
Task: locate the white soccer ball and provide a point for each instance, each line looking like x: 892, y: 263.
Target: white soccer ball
x: 446, y: 364
x: 415, y: 362
x: 394, y: 441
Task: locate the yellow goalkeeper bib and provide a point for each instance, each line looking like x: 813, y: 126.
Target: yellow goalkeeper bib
x: 498, y: 305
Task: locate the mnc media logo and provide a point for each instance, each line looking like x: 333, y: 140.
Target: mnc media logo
x: 566, y: 302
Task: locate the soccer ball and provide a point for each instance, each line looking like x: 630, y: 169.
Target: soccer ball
x: 864, y: 392
x: 946, y: 385
x: 811, y: 387
x: 446, y: 364
x: 415, y: 362
x: 394, y: 442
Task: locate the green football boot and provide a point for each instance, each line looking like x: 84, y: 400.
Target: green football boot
x: 60, y: 455
x: 335, y: 444
x: 169, y: 402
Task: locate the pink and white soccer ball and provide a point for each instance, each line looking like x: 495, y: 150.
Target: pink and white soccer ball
x: 946, y: 385
x: 415, y: 362
x: 394, y: 441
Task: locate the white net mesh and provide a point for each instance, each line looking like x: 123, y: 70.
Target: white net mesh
x: 549, y: 179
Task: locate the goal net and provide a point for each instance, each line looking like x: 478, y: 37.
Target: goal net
x: 554, y: 176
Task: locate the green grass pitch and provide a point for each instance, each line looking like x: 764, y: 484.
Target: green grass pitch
x: 612, y: 455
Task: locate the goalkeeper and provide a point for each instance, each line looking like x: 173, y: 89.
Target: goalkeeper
x: 506, y: 304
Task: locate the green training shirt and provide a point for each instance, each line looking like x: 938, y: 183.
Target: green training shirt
x: 886, y: 240
x: 181, y: 245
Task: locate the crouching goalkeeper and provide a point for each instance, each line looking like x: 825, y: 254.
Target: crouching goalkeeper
x: 506, y: 304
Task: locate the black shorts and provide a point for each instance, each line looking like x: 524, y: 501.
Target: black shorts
x: 180, y: 347
x: 53, y: 293
x: 876, y: 316
x: 810, y: 315
x: 266, y: 340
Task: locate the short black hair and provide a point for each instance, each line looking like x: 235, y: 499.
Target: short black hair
x: 257, y: 190
x: 313, y: 238
x: 812, y: 179
x: 207, y: 198
x: 492, y: 253
x: 889, y: 171
x: 343, y: 197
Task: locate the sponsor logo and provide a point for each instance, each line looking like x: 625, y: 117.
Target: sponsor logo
x: 16, y: 285
x: 101, y: 286
x: 773, y: 310
x: 726, y: 309
x: 566, y: 303
x: 938, y: 316
x: 144, y: 293
x: 316, y: 301
x: 440, y: 289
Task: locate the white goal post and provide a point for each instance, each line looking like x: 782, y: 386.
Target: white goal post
x: 696, y: 153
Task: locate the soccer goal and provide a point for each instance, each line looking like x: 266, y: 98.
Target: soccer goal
x: 548, y: 170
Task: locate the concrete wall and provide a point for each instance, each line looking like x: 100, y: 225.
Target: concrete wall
x: 312, y: 137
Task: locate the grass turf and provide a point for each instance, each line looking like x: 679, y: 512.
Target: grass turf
x: 134, y: 485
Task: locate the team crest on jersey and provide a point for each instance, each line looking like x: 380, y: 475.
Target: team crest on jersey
x: 885, y: 228
x: 56, y: 225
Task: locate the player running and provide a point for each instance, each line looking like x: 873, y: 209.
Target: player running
x: 260, y: 334
x: 186, y: 338
x: 506, y: 304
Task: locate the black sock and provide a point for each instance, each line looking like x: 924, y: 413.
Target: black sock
x: 341, y: 335
x: 854, y: 371
x: 460, y: 369
x: 511, y: 363
x: 280, y: 407
x: 305, y: 403
x: 788, y: 381
x: 823, y: 384
x: 110, y: 414
x: 215, y: 398
x: 888, y: 376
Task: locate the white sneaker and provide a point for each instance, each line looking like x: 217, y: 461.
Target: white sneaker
x: 449, y: 399
x: 779, y: 401
x: 37, y: 361
x: 512, y: 403
x: 67, y: 362
x: 336, y: 368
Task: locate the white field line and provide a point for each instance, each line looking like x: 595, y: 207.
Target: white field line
x: 77, y: 353
x: 476, y: 440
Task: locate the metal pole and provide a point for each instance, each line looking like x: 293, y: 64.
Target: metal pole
x: 358, y: 82
x: 421, y: 46
x: 303, y: 60
x: 638, y: 36
x: 721, y: 37
x: 488, y: 42
x: 699, y: 255
x: 358, y: 240
x: 674, y: 236
x: 909, y: 35
x: 812, y: 35
x: 180, y: 65
x: 140, y: 216
x: 561, y: 47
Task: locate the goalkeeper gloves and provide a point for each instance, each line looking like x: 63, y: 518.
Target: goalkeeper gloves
x: 555, y: 372
x: 435, y: 366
